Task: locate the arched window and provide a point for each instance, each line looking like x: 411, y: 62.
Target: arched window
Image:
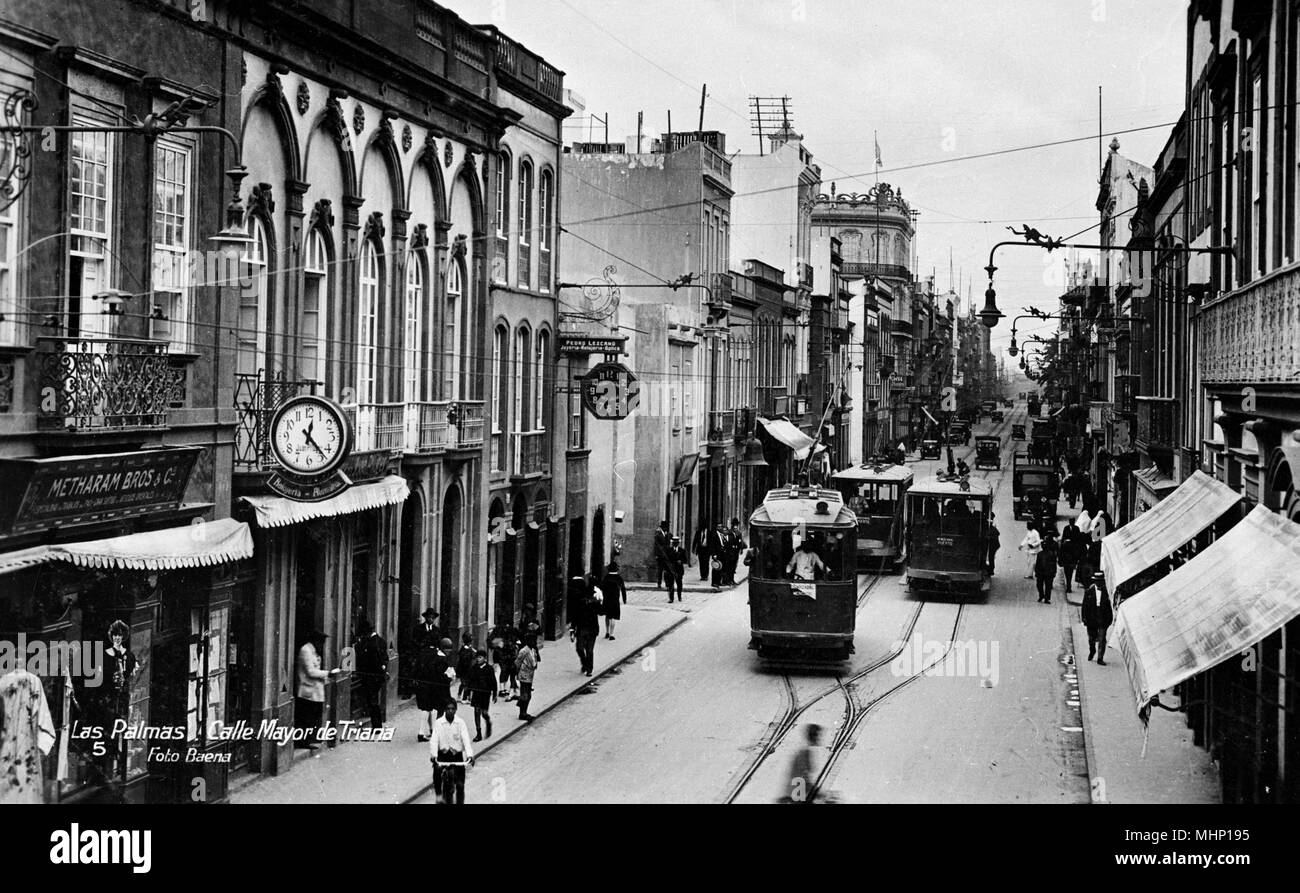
x: 900, y: 251
x: 501, y: 222
x: 539, y: 380
x: 368, y: 322
x: 525, y: 223
x: 453, y: 325
x: 413, y: 368
x: 545, y: 235
x: 251, y: 332
x: 519, y: 364
x: 500, y: 411
x: 313, y: 338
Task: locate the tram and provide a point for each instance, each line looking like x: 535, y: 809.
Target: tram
x: 947, y: 534
x: 802, y: 574
x: 874, y: 492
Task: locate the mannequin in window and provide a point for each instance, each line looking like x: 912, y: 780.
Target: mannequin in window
x: 120, y: 666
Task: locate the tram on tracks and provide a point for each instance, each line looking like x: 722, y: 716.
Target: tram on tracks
x: 802, y: 575
x: 948, y: 524
x: 875, y: 492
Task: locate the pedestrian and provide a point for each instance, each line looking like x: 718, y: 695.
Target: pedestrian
x: 504, y: 640
x: 372, y: 671
x: 1071, y: 487
x: 803, y: 769
x: 433, y: 688
x: 533, y: 627
x: 1097, y: 531
x: 1073, y: 545
x: 700, y: 545
x: 464, y: 664
x: 663, y: 540
x: 612, y: 588
x: 735, y: 546
x: 994, y: 540
x: 584, y: 622
x: 1031, y: 545
x: 717, y: 549
x: 675, y: 568
x: 525, y: 669
x: 309, y: 705
x: 1045, y: 569
x: 450, y: 744
x: 482, y: 692
x: 1097, y: 616
x: 427, y: 633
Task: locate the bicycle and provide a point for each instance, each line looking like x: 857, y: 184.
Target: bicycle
x: 447, y: 784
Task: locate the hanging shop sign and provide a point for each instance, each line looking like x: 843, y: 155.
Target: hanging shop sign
x: 67, y: 490
x: 311, y: 438
x: 610, y: 391
x: 584, y: 345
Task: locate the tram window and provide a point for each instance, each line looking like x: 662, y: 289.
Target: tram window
x: 773, y: 548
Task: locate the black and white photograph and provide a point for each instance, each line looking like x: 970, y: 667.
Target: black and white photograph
x: 664, y: 403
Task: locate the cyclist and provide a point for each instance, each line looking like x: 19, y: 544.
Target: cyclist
x: 450, y: 751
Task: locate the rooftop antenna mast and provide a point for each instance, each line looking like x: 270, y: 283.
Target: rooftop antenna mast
x: 768, y: 115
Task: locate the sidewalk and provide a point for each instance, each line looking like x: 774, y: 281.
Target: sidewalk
x: 646, y: 592
x: 1174, y: 770
x: 398, y: 770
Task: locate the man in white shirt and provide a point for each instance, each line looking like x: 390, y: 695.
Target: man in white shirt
x: 450, y: 743
x: 805, y: 562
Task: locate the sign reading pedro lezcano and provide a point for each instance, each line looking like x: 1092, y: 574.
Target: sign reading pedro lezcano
x: 67, y: 490
x: 591, y: 344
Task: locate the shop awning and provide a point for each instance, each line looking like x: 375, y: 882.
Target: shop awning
x: 685, y: 469
x: 276, y: 511
x: 194, y: 545
x: 1240, y: 590
x: 788, y: 434
x: 1157, y: 533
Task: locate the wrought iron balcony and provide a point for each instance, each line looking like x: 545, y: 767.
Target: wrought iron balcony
x: 806, y: 275
x: 720, y: 289
x: 377, y: 426
x: 722, y: 426
x: 427, y: 430
x: 1157, y: 419
x: 529, y: 453
x: 106, y: 384
x: 1249, y: 335
x: 466, y: 419
x: 257, y: 397
x: 746, y: 418
x: 890, y: 271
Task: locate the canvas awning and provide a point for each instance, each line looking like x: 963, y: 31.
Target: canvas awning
x: 685, y: 469
x: 276, y: 511
x: 1157, y: 533
x: 1240, y: 590
x: 789, y: 435
x: 193, y: 545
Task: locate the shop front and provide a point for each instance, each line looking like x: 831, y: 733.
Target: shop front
x: 116, y: 595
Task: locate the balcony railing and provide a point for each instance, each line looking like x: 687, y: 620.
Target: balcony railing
x: 746, y: 418
x: 722, y: 426
x: 466, y: 419
x: 1126, y: 392
x: 530, y: 453
x: 806, y: 275
x: 426, y: 427
x: 106, y: 384
x: 377, y: 426
x: 1156, y: 421
x: 720, y: 289
x: 257, y: 397
x: 1250, y: 335
x: 893, y: 271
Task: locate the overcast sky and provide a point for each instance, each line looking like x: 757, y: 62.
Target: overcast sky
x: 936, y: 80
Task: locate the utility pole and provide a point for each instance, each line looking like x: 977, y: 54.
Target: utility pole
x: 703, y: 93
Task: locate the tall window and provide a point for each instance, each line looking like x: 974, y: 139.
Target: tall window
x: 545, y: 234
x: 1227, y: 145
x: 368, y: 323
x: 674, y: 387
x: 171, y: 243
x: 577, y: 420
x: 452, y: 326
x: 413, y: 367
x: 315, y: 301
x: 255, y: 269
x: 500, y: 412
x: 501, y: 221
x: 90, y: 204
x: 8, y: 256
x: 1257, y: 153
x: 519, y: 362
x: 525, y: 223
x: 688, y: 397
x: 539, y: 381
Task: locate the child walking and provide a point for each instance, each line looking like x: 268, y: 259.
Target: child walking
x: 482, y: 692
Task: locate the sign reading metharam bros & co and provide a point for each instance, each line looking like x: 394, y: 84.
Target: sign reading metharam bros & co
x: 67, y: 490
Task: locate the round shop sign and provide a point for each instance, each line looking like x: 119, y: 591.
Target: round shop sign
x: 610, y: 391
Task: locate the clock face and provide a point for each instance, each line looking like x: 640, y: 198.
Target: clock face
x: 309, y: 436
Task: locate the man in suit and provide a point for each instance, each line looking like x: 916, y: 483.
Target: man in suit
x: 663, y: 541
x: 675, y: 568
x: 701, y: 545
x: 1097, y: 616
x: 718, y: 549
x: 735, y: 545
x: 372, y: 670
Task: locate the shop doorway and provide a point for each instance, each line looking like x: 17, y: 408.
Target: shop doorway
x: 496, y: 561
x: 308, y: 580
x: 449, y: 595
x: 554, y: 576
x: 598, y: 543
x: 577, y: 540
x: 408, y: 592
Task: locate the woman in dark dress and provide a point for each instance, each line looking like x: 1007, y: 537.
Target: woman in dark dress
x: 612, y: 588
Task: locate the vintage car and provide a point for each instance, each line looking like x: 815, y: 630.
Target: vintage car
x: 930, y: 449
x: 988, y: 452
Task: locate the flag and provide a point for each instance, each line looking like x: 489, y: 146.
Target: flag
x: 878, y: 161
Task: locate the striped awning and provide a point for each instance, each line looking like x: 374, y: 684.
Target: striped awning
x: 276, y: 511
x: 201, y: 544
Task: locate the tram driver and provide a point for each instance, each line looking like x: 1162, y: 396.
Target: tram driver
x: 806, y: 562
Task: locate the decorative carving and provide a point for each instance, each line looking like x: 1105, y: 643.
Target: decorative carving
x: 273, y: 85
x: 304, y: 98
x: 6, y: 385
x: 358, y: 118
x: 261, y: 200
x: 374, y: 226
x: 420, y: 238
x: 485, y: 169
x: 459, y: 246
x: 1250, y: 335
x: 335, y: 122
x: 322, y: 214
x: 448, y: 153
x: 385, y: 134
x: 15, y: 147
x: 406, y: 138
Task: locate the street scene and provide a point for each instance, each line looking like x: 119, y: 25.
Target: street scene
x: 691, y: 403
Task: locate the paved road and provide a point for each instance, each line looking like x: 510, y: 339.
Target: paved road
x: 684, y: 722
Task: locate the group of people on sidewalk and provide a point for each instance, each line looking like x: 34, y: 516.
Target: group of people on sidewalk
x: 718, y: 549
